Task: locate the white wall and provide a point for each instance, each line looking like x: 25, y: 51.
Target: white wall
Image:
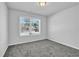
x: 3, y: 28
x: 63, y: 27
x: 14, y: 37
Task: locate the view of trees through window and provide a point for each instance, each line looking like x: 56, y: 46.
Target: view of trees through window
x: 29, y: 26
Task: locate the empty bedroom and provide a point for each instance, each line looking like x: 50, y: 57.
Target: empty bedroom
x: 39, y: 29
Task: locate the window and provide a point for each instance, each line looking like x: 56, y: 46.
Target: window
x: 29, y: 26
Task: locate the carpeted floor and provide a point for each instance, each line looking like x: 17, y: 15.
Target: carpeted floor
x: 43, y: 48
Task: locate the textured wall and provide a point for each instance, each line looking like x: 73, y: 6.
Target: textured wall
x: 3, y: 28
x: 63, y: 27
x: 14, y: 37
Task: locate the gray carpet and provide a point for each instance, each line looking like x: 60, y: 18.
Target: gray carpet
x: 43, y: 48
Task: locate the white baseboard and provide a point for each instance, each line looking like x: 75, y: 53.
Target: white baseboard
x: 65, y: 44
x: 2, y: 55
x: 27, y: 41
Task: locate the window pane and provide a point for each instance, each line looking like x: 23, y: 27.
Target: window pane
x: 24, y: 26
x: 35, y: 26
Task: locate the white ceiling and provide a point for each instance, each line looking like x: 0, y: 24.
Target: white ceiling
x: 50, y: 8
